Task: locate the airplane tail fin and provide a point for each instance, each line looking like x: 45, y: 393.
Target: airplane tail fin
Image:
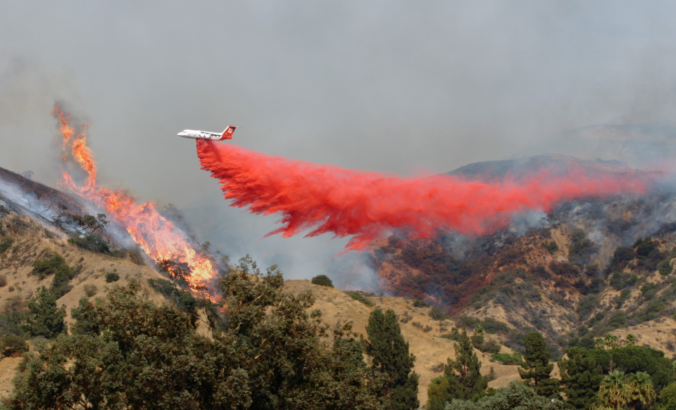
x: 227, y: 133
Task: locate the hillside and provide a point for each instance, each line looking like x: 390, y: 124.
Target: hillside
x: 30, y: 230
x: 589, y: 268
x: 574, y: 274
x: 419, y: 329
x: 32, y: 241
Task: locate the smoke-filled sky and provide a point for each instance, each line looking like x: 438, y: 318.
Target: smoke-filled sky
x: 382, y: 86
x: 385, y: 85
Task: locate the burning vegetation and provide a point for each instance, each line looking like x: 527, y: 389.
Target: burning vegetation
x: 156, y: 235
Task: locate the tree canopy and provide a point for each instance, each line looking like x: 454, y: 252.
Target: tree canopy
x: 271, y: 354
x: 462, y: 377
x: 390, y: 355
x: 515, y: 396
x: 536, y: 367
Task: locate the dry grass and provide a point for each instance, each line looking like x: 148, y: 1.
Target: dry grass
x: 430, y: 349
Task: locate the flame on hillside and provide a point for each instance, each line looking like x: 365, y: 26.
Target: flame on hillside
x: 158, y: 237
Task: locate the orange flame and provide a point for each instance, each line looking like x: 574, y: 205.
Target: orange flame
x: 156, y: 235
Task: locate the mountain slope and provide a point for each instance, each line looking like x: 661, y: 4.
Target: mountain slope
x: 556, y: 273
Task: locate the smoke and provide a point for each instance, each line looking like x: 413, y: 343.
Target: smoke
x: 27, y: 202
x: 26, y: 90
x: 368, y: 205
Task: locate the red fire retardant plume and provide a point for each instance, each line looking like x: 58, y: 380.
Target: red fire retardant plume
x: 367, y: 205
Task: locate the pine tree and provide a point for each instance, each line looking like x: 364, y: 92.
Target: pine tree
x: 581, y: 377
x: 536, y: 367
x: 44, y: 318
x: 462, y: 378
x: 390, y: 355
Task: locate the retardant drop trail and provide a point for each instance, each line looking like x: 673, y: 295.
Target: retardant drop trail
x: 366, y: 205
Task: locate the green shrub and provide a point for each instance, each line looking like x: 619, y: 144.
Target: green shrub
x: 597, y: 318
x: 489, y: 346
x: 616, y: 280
x: 654, y: 307
x: 92, y: 242
x: 665, y: 267
x: 437, y: 313
x: 626, y: 293
x: 644, y: 247
x: 617, y: 320
x: 586, y: 306
x: 358, y: 296
x: 6, y: 244
x: 112, y: 277
x: 54, y: 264
x: 508, y: 359
x: 322, y: 280
x: 550, y: 246
x: 13, y: 345
x: 467, y: 322
x: 90, y: 290
x: 163, y: 286
x: 454, y: 335
x: 3, y: 281
x: 51, y: 264
x: 649, y: 290
x: 420, y: 303
x: 492, y: 326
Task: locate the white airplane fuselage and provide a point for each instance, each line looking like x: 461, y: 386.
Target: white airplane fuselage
x: 208, y: 135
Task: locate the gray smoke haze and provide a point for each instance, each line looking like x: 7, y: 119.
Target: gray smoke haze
x: 387, y: 85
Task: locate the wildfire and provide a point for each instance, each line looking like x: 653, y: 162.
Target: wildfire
x: 154, y: 234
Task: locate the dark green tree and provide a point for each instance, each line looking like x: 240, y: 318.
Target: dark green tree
x: 131, y: 353
x: 322, y: 280
x: 390, y: 355
x: 354, y: 353
x: 536, y: 368
x: 43, y: 317
x: 581, y: 377
x: 462, y: 377
x: 632, y: 359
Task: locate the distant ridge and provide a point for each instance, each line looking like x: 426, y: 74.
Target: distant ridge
x: 522, y: 167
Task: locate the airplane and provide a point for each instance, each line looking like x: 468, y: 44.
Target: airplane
x: 208, y: 135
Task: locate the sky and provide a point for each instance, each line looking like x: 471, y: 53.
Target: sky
x: 392, y: 86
